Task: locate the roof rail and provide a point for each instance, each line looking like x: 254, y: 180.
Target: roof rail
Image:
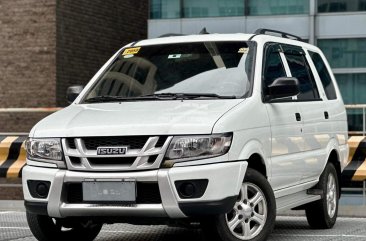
x: 170, y: 35
x: 277, y: 33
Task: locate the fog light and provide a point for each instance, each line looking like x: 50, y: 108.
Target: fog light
x: 191, y: 188
x: 187, y: 190
x: 39, y: 189
x: 42, y: 189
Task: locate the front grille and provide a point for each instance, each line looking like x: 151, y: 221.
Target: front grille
x: 133, y: 142
x: 143, y: 153
x: 161, y: 141
x: 71, y: 143
x: 95, y: 161
x: 147, y: 193
x: 74, y: 192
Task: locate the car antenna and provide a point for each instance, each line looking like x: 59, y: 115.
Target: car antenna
x: 204, y: 31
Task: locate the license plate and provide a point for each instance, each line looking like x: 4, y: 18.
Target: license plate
x: 124, y: 191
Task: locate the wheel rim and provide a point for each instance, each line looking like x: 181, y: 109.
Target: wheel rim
x: 249, y: 214
x: 331, y: 196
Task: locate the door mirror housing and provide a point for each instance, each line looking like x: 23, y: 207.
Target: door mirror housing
x: 283, y: 87
x: 73, y: 92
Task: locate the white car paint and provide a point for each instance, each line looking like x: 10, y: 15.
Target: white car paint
x: 294, y: 152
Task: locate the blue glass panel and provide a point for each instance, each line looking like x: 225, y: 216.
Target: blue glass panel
x: 326, y: 6
x: 165, y: 9
x: 278, y: 7
x: 212, y: 8
x: 344, y: 53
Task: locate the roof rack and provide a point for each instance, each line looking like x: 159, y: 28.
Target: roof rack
x: 203, y: 31
x: 170, y: 35
x: 277, y: 33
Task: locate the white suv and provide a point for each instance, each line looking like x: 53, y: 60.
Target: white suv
x: 224, y: 129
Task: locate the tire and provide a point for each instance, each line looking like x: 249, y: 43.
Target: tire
x: 322, y: 214
x: 259, y: 201
x: 45, y: 228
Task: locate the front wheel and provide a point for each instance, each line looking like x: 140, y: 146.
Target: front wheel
x: 45, y: 228
x: 252, y: 217
x: 322, y: 214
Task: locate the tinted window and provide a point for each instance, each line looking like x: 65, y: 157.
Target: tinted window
x: 300, y: 69
x: 324, y: 75
x: 273, y: 67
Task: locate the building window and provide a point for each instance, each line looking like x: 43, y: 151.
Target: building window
x: 165, y: 9
x: 352, y: 89
x: 277, y: 7
x: 344, y: 53
x: 212, y: 8
x: 326, y: 6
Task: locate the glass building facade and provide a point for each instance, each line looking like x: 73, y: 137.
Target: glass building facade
x: 335, y: 26
x: 166, y: 9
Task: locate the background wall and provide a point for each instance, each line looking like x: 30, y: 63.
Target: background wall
x: 89, y: 33
x: 48, y: 45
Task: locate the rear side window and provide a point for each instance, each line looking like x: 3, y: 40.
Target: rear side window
x: 324, y: 75
x: 273, y: 67
x: 300, y: 69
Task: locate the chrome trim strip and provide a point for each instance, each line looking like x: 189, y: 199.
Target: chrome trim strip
x: 145, y: 176
x: 137, y: 210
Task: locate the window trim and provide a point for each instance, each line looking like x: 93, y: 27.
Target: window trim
x: 288, y: 71
x: 319, y: 80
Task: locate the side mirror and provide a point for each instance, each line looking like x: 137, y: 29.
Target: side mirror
x: 73, y: 92
x: 283, y: 87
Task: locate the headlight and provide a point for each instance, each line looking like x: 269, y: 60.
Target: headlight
x: 48, y: 150
x: 184, y: 148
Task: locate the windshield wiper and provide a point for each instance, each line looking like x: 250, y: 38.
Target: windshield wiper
x: 189, y: 95
x: 158, y: 96
x: 108, y: 98
x: 104, y: 98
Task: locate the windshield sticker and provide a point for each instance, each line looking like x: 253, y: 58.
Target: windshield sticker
x: 130, y: 51
x: 174, y: 56
x: 243, y: 50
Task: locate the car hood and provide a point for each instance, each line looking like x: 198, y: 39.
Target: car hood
x: 135, y: 118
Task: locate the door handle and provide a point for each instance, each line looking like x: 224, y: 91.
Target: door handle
x: 298, y: 116
x: 326, y: 115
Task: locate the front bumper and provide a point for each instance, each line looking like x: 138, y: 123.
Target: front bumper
x: 224, y: 182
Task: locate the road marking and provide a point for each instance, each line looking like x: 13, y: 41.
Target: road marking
x: 320, y: 235
x: 14, y: 228
x: 7, y: 212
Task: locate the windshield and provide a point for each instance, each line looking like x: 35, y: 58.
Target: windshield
x: 201, y: 70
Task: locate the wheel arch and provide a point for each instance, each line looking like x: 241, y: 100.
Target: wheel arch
x: 334, y: 158
x: 254, y: 153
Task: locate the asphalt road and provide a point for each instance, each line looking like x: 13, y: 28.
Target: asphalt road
x: 13, y: 226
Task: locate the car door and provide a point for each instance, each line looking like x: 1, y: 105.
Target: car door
x: 313, y: 113
x: 285, y: 125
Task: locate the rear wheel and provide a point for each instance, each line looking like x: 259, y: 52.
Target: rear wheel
x: 322, y: 214
x: 45, y: 228
x: 252, y: 217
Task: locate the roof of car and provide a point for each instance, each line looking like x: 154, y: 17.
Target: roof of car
x: 195, y: 38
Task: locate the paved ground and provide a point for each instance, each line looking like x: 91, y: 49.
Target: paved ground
x: 13, y: 226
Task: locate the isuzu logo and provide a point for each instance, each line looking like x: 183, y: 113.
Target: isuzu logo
x: 112, y: 150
